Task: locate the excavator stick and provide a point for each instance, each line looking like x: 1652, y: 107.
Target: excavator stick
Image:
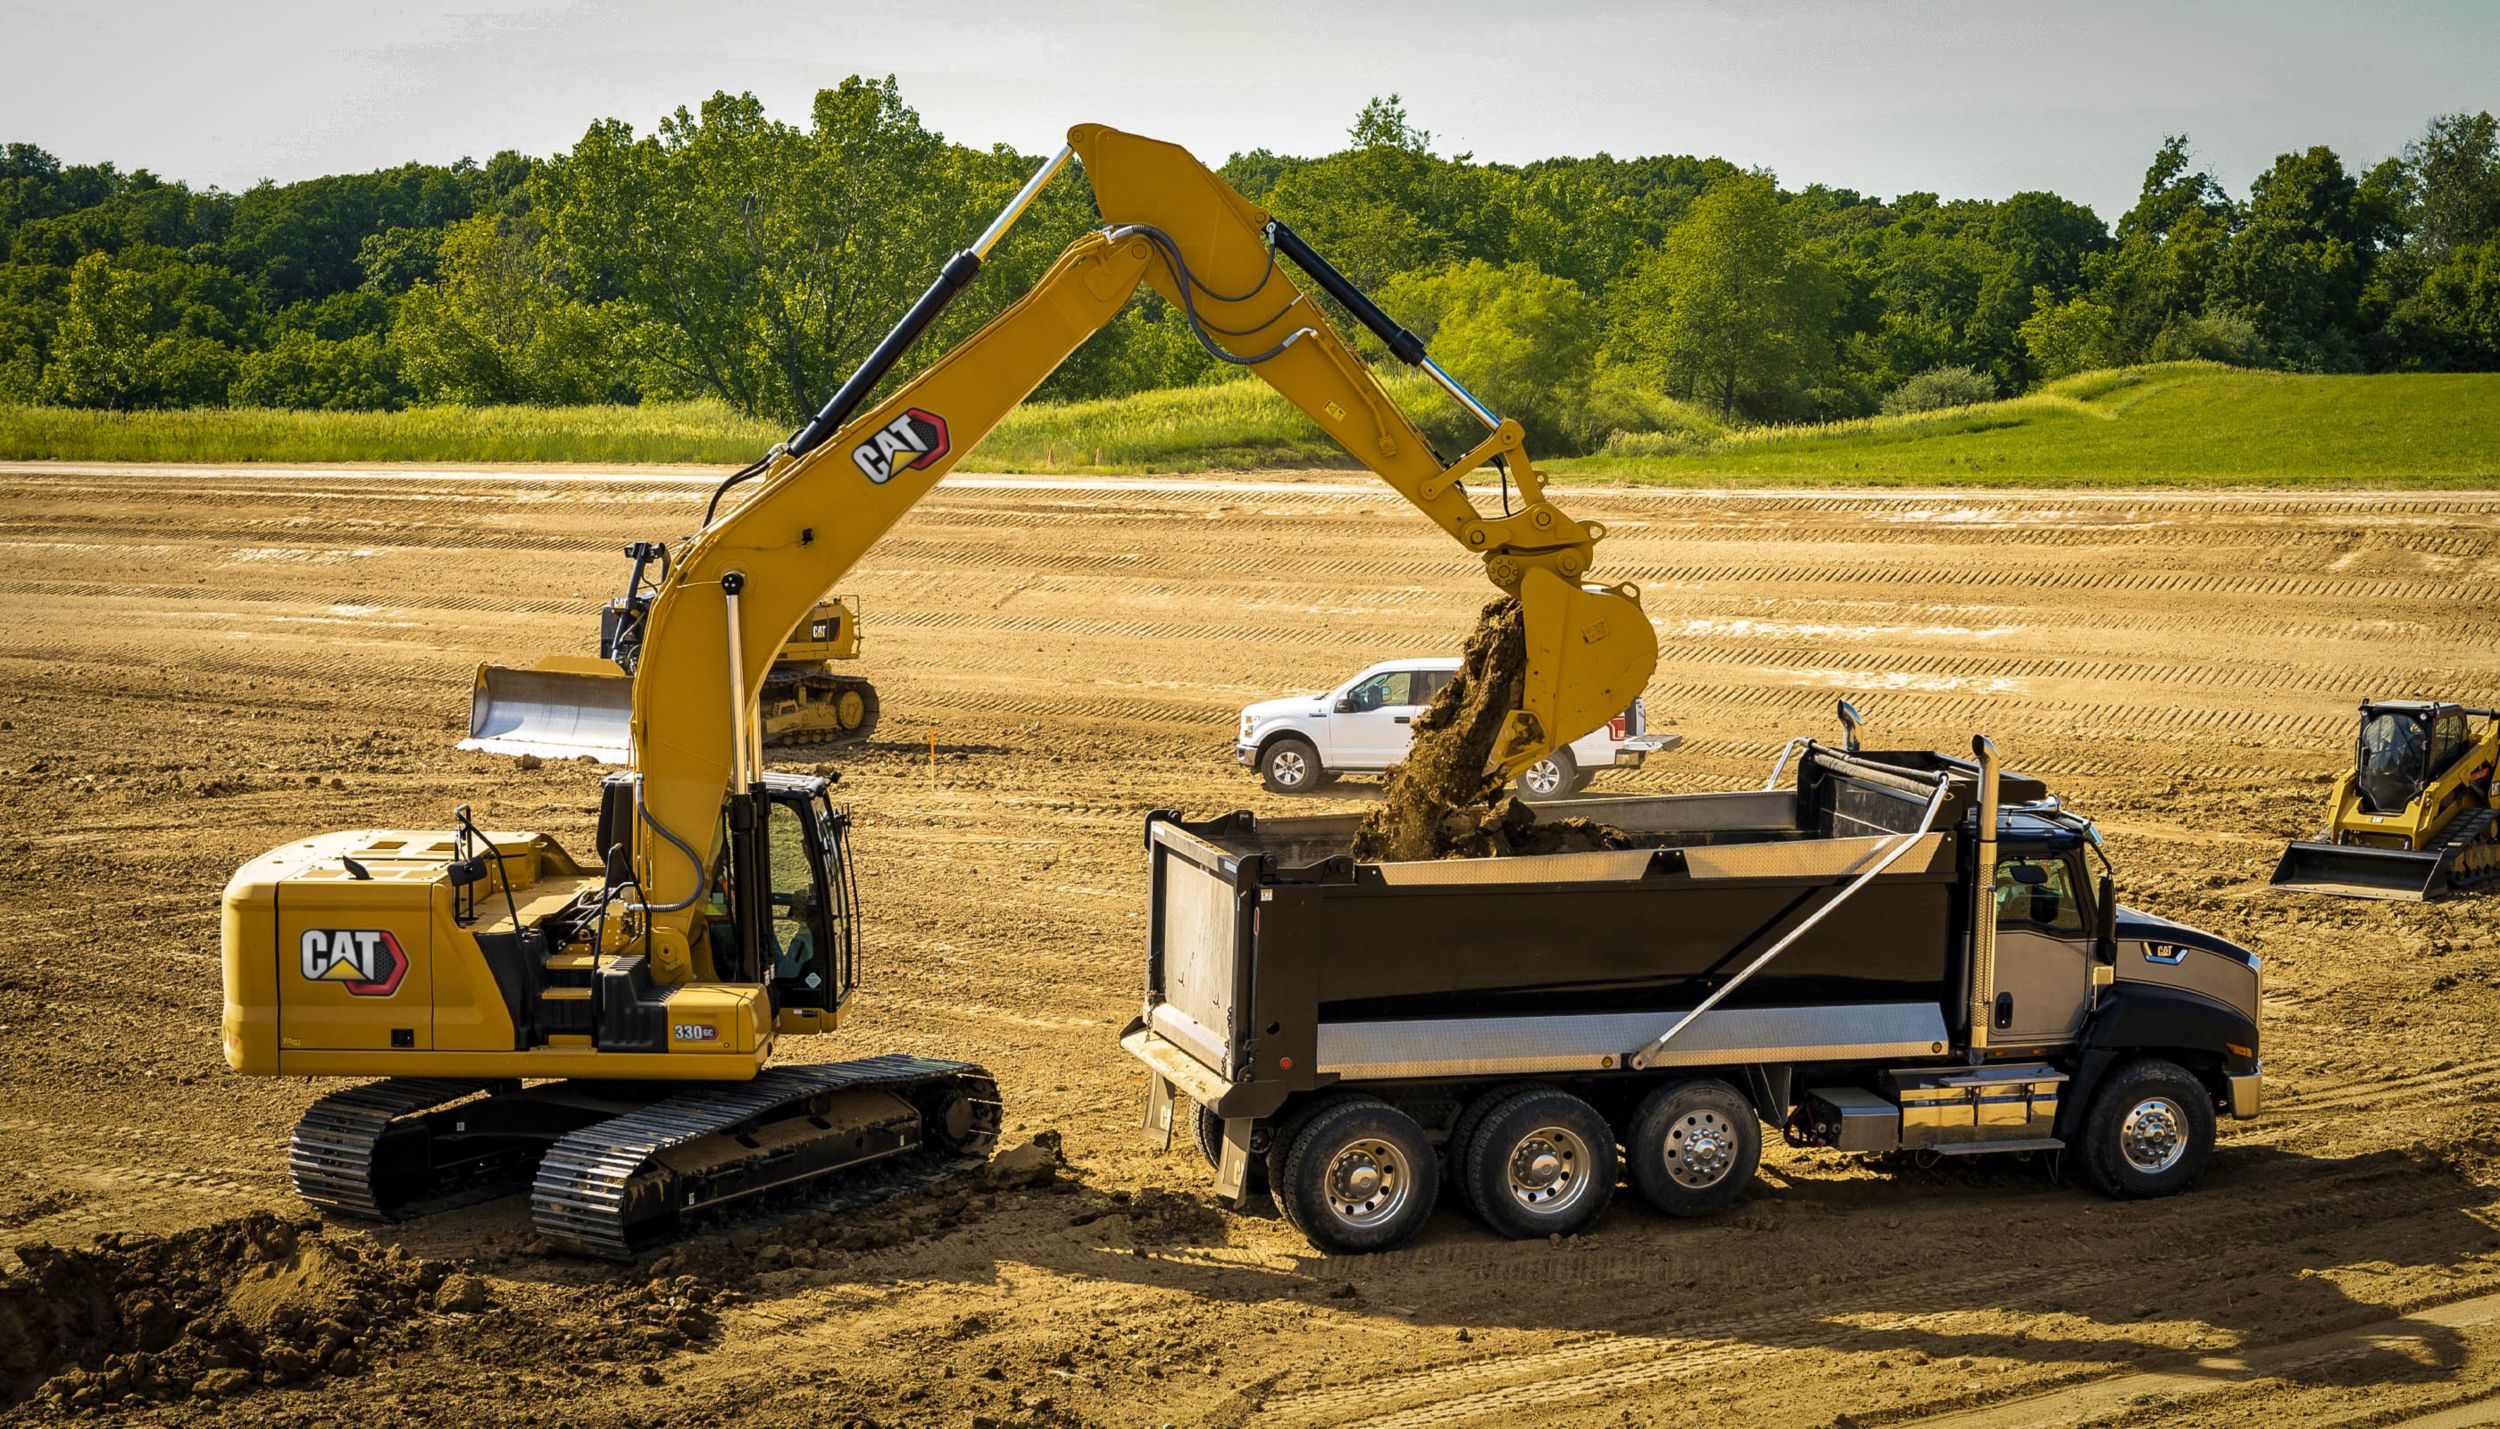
x: 1590, y: 652
x: 563, y: 707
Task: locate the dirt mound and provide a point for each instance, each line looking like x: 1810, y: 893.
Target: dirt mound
x: 260, y: 1300
x: 1444, y: 771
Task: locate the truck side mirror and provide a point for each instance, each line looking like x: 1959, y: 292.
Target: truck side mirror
x: 2105, y: 939
x: 1344, y: 705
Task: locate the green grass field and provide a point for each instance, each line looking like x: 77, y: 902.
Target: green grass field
x: 2180, y: 424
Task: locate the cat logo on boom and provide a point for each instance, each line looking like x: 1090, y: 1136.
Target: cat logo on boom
x: 908, y: 443
x: 367, y: 962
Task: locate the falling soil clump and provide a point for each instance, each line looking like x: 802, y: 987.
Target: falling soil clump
x: 1441, y: 802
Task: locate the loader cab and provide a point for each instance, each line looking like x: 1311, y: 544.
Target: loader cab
x: 2404, y: 745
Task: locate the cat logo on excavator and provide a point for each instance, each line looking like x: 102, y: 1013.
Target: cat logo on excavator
x: 908, y: 443
x: 367, y: 962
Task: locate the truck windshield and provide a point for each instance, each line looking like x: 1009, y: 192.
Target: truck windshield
x: 2394, y: 762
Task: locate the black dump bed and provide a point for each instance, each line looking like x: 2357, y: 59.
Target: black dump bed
x: 1266, y: 936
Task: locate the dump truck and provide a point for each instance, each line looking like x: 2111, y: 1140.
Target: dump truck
x: 1897, y: 952
x: 2416, y: 817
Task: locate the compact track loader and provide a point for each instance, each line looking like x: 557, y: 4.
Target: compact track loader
x: 600, y: 1028
x: 566, y: 706
x: 2415, y: 817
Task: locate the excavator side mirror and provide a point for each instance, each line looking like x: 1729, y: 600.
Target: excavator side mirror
x: 2105, y: 936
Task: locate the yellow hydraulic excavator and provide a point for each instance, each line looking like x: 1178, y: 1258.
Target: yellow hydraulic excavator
x: 2417, y: 816
x: 600, y: 1027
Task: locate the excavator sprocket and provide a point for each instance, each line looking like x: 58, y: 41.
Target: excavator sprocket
x: 614, y: 1170
x: 817, y: 708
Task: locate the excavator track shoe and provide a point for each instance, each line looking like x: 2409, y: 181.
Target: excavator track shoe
x: 365, y: 1152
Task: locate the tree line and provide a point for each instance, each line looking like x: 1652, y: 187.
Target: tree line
x: 728, y: 254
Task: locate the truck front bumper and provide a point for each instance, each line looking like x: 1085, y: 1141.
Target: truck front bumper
x: 2246, y: 1091
x: 1245, y: 755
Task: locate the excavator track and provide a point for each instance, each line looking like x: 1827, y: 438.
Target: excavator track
x: 363, y: 1152
x: 814, y: 707
x: 609, y: 1188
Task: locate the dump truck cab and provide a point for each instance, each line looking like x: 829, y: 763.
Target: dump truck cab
x: 1898, y: 951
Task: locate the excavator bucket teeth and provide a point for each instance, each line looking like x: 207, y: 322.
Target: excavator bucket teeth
x: 2352, y: 871
x: 563, y: 707
x: 1591, y: 651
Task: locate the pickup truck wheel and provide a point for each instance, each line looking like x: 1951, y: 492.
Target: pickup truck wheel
x: 1290, y: 766
x: 1549, y: 778
x: 2149, y: 1131
x: 1360, y: 1177
x: 1207, y: 1129
x: 1541, y: 1163
x: 1694, y: 1147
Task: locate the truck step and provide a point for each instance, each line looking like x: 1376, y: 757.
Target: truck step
x: 1981, y: 1148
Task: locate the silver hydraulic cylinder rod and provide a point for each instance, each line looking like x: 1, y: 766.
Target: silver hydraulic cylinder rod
x: 740, y: 776
x: 1023, y: 200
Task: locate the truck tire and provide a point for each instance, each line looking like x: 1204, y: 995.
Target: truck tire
x: 1540, y: 1163
x: 1290, y: 766
x: 2149, y: 1132
x: 1694, y: 1146
x: 1360, y: 1177
x: 1282, y: 1133
x: 1548, y: 778
x: 1454, y: 1173
x: 1207, y: 1129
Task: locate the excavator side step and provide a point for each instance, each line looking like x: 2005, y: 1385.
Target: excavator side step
x: 614, y: 1186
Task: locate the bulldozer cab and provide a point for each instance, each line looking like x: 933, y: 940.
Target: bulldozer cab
x: 2404, y: 746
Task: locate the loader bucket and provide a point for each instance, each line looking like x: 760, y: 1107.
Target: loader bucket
x: 563, y: 707
x: 2353, y: 871
x: 1590, y: 652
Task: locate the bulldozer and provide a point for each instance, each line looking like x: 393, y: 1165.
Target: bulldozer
x: 2415, y: 818
x: 805, y: 700
x: 602, y: 1029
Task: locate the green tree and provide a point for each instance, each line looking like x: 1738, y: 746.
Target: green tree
x: 2453, y: 321
x: 2296, y: 267
x: 1732, y: 309
x: 1523, y: 340
x: 2167, y: 246
x: 301, y: 370
x: 2062, y: 339
x: 125, y: 340
x: 2456, y: 171
x: 494, y: 327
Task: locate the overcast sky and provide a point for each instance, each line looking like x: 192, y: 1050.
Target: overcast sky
x: 1963, y: 98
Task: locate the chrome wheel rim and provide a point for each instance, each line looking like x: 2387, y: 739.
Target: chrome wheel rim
x: 1543, y: 777
x: 1288, y: 767
x: 1366, y: 1182
x: 1701, y: 1149
x: 1549, y: 1170
x: 2154, y: 1135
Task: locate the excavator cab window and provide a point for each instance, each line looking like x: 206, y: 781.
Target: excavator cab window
x: 797, y: 935
x: 2394, y: 762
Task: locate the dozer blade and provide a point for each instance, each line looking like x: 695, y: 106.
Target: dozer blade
x: 2353, y: 871
x: 1590, y: 652
x: 563, y: 707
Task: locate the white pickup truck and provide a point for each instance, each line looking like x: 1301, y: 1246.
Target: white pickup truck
x: 1364, y: 725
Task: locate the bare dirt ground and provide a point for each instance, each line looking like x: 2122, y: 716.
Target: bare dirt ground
x: 195, y: 666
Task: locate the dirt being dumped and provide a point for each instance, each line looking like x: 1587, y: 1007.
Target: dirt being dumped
x: 1441, y: 802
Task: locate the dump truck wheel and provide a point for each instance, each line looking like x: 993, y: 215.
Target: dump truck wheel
x: 1360, y: 1177
x: 1290, y: 766
x: 1454, y: 1172
x: 2149, y: 1132
x: 1549, y: 778
x: 1207, y: 1129
x: 1540, y: 1163
x: 1694, y: 1147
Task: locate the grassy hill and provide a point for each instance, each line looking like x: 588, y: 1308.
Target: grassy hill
x: 2179, y: 424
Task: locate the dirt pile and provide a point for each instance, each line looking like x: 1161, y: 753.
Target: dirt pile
x: 260, y: 1300
x: 1444, y: 771
x: 1441, y: 803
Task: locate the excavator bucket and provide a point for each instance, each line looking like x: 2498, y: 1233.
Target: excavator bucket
x: 1591, y: 651
x: 563, y: 707
x: 2354, y: 871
